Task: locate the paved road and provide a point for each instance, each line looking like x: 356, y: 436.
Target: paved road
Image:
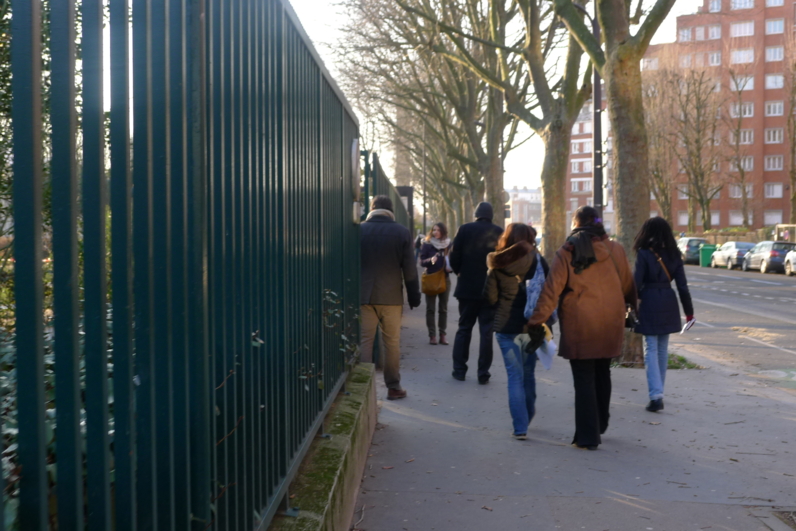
x: 748, y: 317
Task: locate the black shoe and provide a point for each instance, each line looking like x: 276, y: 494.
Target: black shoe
x: 591, y: 447
x: 655, y: 405
x: 457, y: 376
x: 483, y: 381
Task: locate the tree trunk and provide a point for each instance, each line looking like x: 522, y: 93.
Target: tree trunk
x: 494, y: 189
x: 626, y: 112
x: 556, y: 140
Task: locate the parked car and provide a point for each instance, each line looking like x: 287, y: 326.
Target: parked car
x: 767, y: 256
x: 790, y: 263
x: 689, y: 249
x: 730, y: 255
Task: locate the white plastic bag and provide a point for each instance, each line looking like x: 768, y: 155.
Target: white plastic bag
x: 546, y: 353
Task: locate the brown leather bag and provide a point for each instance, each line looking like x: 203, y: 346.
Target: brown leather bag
x: 435, y: 283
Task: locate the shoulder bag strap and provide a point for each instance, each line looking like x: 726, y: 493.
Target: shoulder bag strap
x: 663, y: 266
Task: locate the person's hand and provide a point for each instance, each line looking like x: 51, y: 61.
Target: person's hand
x: 689, y: 318
x: 434, y: 260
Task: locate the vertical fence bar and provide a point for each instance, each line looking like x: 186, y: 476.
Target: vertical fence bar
x: 26, y: 123
x: 63, y: 170
x: 95, y: 275
x: 121, y: 270
x: 161, y: 324
x: 147, y: 493
x: 180, y: 272
x: 197, y: 151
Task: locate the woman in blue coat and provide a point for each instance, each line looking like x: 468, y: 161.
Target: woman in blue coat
x: 658, y: 262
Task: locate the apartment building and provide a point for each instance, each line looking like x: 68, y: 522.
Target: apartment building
x: 580, y: 176
x: 745, y: 43
x: 525, y: 205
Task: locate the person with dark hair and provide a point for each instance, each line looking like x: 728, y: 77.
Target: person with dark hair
x: 658, y: 262
x: 433, y: 256
x: 473, y: 242
x: 387, y: 263
x: 591, y: 284
x: 514, y: 264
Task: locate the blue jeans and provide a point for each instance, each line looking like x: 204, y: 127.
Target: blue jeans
x: 520, y: 369
x: 656, y: 359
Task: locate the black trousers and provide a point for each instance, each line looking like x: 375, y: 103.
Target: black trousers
x: 592, y: 379
x: 470, y: 312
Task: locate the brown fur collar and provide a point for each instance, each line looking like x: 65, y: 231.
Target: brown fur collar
x: 506, y: 257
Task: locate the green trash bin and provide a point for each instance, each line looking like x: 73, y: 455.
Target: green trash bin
x: 706, y: 251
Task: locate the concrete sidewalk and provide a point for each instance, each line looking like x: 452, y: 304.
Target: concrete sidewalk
x: 721, y: 456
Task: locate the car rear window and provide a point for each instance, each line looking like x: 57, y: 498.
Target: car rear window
x: 744, y: 245
x: 696, y: 243
x: 784, y: 246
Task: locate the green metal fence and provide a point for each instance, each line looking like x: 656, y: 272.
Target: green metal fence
x: 199, y: 344
x: 377, y: 183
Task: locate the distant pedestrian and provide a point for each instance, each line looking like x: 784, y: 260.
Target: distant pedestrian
x: 473, y: 242
x: 418, y: 244
x: 591, y: 283
x: 513, y: 265
x: 386, y: 256
x: 434, y: 257
x: 658, y: 262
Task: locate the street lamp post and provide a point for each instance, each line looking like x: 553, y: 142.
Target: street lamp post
x: 597, y: 130
x: 425, y: 206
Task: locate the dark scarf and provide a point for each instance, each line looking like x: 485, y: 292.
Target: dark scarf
x: 581, y: 246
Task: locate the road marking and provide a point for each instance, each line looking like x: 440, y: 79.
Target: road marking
x: 766, y: 282
x: 745, y: 294
x: 758, y: 296
x: 769, y: 298
x: 749, y: 312
x: 723, y: 290
x: 768, y: 345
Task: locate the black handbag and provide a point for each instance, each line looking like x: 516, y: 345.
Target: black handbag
x: 631, y: 319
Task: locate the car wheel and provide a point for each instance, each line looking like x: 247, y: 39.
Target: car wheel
x: 744, y: 266
x: 788, y: 269
x: 713, y: 263
x: 763, y: 267
x: 730, y: 266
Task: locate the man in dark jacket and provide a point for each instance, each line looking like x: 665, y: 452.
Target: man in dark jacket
x: 473, y: 242
x: 387, y: 263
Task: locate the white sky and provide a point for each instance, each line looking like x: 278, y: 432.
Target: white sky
x: 322, y: 20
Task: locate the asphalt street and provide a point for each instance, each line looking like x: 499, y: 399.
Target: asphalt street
x: 745, y: 317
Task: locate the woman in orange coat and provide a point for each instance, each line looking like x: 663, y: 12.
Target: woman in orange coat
x: 591, y: 284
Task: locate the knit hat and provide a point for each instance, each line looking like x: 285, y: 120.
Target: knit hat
x: 484, y: 210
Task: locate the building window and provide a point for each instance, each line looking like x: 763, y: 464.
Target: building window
x: 714, y: 32
x: 773, y: 162
x: 744, y: 136
x: 714, y: 58
x: 715, y: 6
x: 747, y: 164
x: 575, y: 168
x: 742, y: 56
x: 576, y: 186
x: 774, y: 135
x: 774, y: 108
x: 746, y: 109
x: 682, y: 218
x: 738, y: 83
x: 587, y: 126
x: 685, y: 61
x: 649, y: 63
x: 773, y: 190
x: 775, y: 81
x: 586, y: 166
x: 684, y: 35
x: 739, y: 29
x: 772, y: 217
x: 735, y: 191
x: 736, y: 217
x: 775, y: 3
x: 775, y: 26
x: 573, y: 204
x: 742, y: 4
x: 587, y: 186
x: 714, y: 217
x: 715, y: 167
x: 775, y: 53
x: 681, y: 192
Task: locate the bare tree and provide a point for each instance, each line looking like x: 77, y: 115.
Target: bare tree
x: 790, y: 111
x: 658, y: 109
x: 740, y: 137
x: 547, y: 93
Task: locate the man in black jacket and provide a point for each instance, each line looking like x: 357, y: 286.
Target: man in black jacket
x: 473, y: 242
x: 387, y: 263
